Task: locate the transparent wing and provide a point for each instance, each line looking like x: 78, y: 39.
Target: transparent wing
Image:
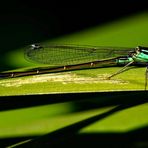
x: 73, y: 54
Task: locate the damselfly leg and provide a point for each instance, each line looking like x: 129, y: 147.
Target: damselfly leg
x: 121, y: 70
x: 146, y: 77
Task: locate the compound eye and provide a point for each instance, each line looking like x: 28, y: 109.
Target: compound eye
x: 137, y: 49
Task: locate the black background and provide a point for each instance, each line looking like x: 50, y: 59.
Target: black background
x: 26, y: 22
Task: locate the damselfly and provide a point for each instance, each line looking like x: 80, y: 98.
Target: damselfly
x: 71, y: 57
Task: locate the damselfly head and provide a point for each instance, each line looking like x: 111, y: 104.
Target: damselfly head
x: 137, y: 49
x: 143, y: 50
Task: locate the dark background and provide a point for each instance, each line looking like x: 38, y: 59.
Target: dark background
x: 26, y: 22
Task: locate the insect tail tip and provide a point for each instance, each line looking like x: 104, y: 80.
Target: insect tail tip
x: 108, y: 78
